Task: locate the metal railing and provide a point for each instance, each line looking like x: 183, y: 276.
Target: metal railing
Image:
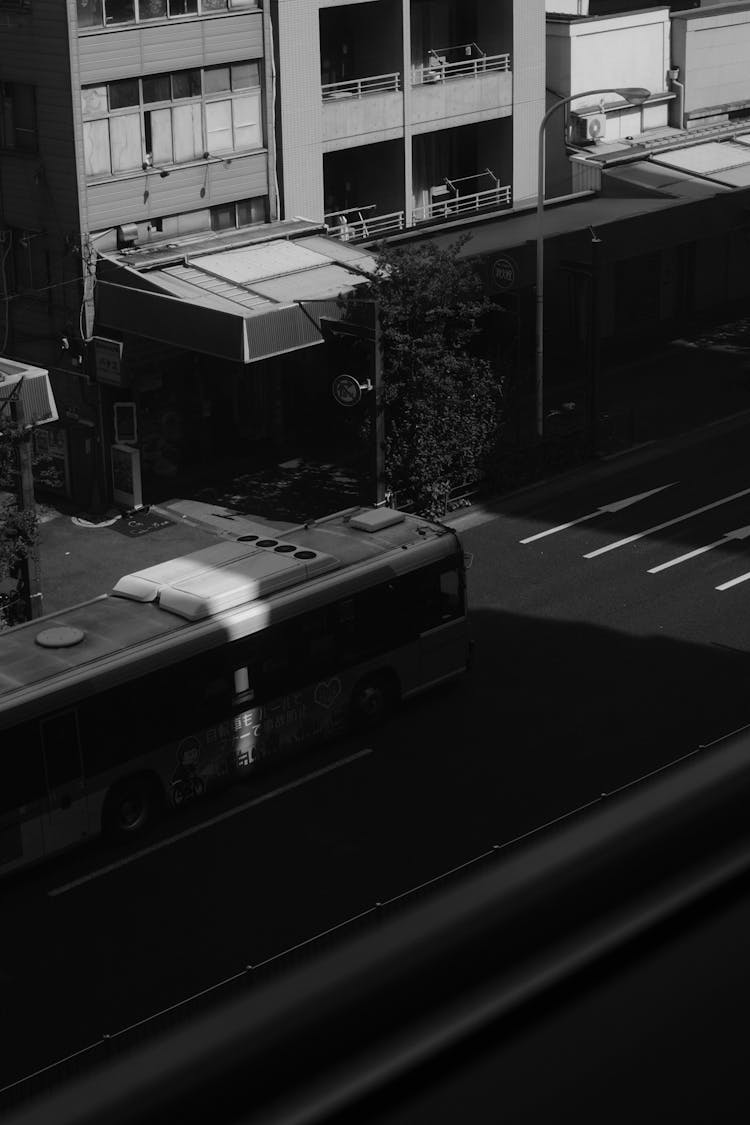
x: 357, y: 87
x: 351, y: 224
x: 454, y: 205
x: 440, y: 67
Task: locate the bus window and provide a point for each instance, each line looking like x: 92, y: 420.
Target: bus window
x: 243, y: 692
x: 451, y: 595
x: 24, y: 783
x: 62, y: 757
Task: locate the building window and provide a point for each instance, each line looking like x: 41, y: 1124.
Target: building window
x: 171, y: 118
x: 109, y: 13
x: 243, y: 213
x: 18, y: 117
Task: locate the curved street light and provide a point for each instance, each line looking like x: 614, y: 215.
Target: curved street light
x: 635, y: 95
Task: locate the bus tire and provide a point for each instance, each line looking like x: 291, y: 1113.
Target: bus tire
x: 131, y: 806
x: 373, y: 699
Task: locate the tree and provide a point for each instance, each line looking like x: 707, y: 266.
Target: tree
x: 19, y: 524
x: 442, y: 397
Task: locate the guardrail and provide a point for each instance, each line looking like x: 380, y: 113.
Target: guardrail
x: 350, y: 225
x: 357, y: 87
x: 462, y: 204
x: 438, y: 70
x: 360, y: 1007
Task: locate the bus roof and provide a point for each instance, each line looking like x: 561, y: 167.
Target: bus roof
x: 198, y: 594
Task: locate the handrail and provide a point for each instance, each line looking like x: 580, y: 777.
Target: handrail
x: 437, y: 71
x: 360, y: 227
x: 461, y: 204
x: 356, y: 87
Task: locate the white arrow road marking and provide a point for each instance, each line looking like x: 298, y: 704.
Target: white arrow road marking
x: 738, y: 533
x: 734, y: 582
x: 615, y: 506
x: 668, y: 523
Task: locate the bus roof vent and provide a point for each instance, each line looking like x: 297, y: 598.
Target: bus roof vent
x: 60, y: 636
x: 235, y: 584
x: 376, y: 519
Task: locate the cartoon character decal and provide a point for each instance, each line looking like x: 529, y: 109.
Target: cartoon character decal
x: 186, y: 781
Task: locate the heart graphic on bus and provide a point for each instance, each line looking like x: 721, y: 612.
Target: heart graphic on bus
x: 327, y: 692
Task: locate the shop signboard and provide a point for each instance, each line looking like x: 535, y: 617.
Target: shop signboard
x: 126, y: 476
x: 126, y: 424
x: 108, y: 361
x: 504, y: 273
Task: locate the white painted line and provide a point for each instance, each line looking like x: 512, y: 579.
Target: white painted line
x: 734, y: 582
x: 738, y: 533
x: 615, y: 506
x: 208, y: 823
x: 667, y: 523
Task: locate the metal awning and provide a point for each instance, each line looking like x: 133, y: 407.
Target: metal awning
x: 722, y: 162
x: 243, y: 303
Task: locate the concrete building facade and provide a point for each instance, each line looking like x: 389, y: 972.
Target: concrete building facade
x: 396, y: 112
x: 139, y: 136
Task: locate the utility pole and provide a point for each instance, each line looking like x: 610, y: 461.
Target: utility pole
x: 594, y: 340
x: 379, y: 415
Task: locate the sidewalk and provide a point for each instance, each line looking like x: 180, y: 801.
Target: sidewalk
x: 81, y: 559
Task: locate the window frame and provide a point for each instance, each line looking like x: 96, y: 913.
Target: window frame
x: 233, y: 97
x: 201, y: 8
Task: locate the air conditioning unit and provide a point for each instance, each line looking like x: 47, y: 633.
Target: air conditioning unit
x: 589, y: 129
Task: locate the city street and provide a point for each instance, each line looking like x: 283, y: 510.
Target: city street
x: 609, y: 612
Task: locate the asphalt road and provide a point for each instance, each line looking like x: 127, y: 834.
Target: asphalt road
x: 589, y: 672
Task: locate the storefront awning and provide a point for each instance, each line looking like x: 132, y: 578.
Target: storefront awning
x: 245, y: 303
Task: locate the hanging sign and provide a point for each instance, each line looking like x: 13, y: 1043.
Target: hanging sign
x: 504, y: 273
x: 347, y: 390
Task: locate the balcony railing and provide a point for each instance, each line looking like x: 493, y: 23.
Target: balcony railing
x: 358, y: 87
x: 351, y: 224
x: 464, y: 61
x: 454, y: 205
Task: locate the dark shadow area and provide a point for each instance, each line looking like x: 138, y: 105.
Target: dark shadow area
x: 551, y: 716
x: 649, y: 1033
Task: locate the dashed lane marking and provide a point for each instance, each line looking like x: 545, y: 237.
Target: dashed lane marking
x: 667, y: 523
x: 615, y: 506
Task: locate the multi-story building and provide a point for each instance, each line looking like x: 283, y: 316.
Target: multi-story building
x: 145, y: 139
x: 395, y: 112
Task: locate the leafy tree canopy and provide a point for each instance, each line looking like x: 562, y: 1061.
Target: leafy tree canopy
x: 442, y: 397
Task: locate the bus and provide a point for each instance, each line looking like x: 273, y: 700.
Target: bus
x: 199, y: 670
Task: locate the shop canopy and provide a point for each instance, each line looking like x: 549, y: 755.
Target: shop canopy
x: 240, y: 302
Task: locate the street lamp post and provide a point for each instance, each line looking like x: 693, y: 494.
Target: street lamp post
x: 636, y: 96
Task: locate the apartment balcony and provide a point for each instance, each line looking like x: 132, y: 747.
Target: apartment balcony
x: 363, y: 107
x: 451, y: 200
x: 460, y: 82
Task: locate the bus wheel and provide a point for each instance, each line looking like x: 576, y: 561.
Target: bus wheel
x: 131, y: 806
x: 372, y: 699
